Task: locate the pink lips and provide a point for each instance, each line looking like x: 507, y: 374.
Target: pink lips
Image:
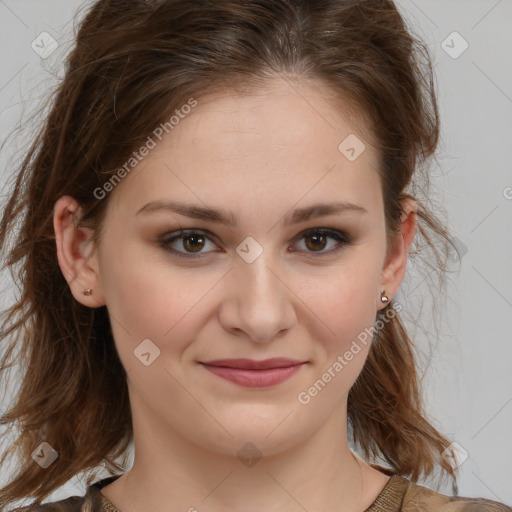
x: 254, y: 374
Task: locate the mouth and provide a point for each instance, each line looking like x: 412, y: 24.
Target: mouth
x: 254, y: 374
x: 251, y: 364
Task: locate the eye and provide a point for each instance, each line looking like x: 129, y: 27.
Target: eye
x: 189, y: 240
x: 316, y: 240
x: 192, y: 242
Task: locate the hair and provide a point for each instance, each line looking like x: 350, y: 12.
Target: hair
x: 134, y: 63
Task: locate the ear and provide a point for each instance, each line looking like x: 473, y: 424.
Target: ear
x: 395, y: 265
x: 78, y: 259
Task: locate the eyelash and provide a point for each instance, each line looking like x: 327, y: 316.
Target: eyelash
x: 342, y: 238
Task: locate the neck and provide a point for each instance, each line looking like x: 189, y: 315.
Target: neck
x: 170, y: 473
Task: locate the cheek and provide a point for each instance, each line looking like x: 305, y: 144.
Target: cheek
x: 344, y: 302
x: 149, y: 299
x: 146, y: 300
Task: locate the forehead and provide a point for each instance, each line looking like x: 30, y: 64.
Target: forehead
x: 285, y: 140
x: 282, y: 111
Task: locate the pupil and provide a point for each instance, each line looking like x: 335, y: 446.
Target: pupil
x: 316, y: 237
x: 193, y: 245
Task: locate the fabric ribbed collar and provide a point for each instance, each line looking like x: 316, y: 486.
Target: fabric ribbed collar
x: 389, y: 500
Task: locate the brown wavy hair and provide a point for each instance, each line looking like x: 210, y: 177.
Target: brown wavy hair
x: 132, y: 64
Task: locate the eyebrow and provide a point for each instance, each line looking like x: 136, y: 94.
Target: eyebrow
x: 227, y: 218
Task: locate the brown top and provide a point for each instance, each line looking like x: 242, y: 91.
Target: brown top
x: 398, y: 495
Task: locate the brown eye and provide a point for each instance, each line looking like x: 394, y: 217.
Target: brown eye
x: 187, y: 244
x: 190, y: 244
x: 193, y: 243
x: 316, y: 240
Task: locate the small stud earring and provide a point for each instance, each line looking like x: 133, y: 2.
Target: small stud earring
x: 88, y: 291
x: 383, y: 297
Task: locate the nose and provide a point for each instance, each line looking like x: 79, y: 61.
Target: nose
x: 257, y: 302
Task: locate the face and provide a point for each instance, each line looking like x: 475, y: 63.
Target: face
x: 273, y: 284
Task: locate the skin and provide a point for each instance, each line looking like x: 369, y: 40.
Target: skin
x: 259, y: 155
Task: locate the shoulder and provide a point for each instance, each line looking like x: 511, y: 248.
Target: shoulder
x: 71, y: 504
x: 92, y: 501
x: 418, y: 498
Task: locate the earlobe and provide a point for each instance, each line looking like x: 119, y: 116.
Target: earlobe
x: 394, y: 269
x: 75, y: 252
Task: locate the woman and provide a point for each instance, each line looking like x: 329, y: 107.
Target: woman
x: 218, y: 222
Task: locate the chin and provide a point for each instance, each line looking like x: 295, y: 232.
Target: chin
x: 259, y: 437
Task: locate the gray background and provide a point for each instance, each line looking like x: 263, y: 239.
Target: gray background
x: 467, y: 374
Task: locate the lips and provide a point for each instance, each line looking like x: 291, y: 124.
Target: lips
x: 250, y: 373
x: 251, y: 364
